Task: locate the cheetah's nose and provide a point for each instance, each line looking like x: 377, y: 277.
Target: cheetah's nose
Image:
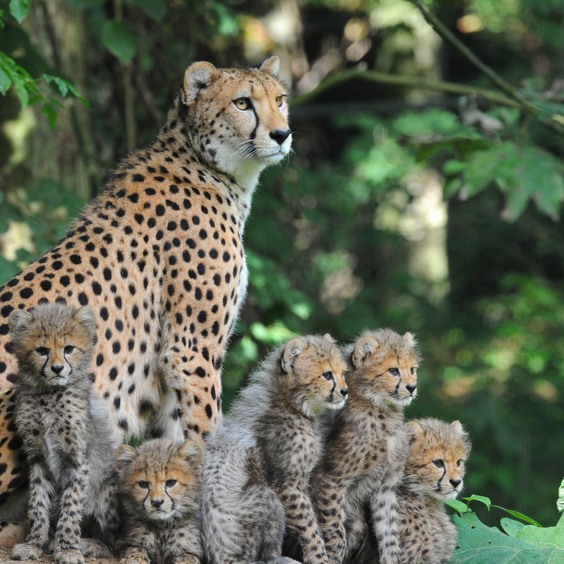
x: 344, y: 392
x: 455, y: 482
x: 57, y: 368
x: 280, y: 135
x: 411, y: 388
x: 156, y: 503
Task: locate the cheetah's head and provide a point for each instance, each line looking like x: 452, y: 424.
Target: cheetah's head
x: 384, y: 367
x: 436, y: 463
x: 312, y: 374
x: 160, y: 480
x: 237, y: 119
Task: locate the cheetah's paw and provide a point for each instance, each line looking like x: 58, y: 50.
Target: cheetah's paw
x: 93, y: 548
x: 26, y: 551
x: 69, y: 557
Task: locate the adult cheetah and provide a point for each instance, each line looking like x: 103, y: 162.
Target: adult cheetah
x: 158, y: 255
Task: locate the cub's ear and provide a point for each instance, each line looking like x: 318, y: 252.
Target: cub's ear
x: 124, y: 456
x: 198, y: 76
x: 363, y: 348
x: 19, y: 318
x: 409, y: 338
x: 86, y: 316
x: 328, y: 337
x: 271, y: 66
x: 292, y: 349
x: 414, y: 429
x: 457, y: 426
x: 191, y: 451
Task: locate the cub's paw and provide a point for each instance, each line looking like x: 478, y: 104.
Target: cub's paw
x: 69, y: 557
x: 134, y: 556
x: 26, y: 551
x: 93, y: 548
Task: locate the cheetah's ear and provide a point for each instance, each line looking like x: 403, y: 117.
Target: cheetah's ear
x: 124, y: 456
x: 414, y: 429
x: 191, y: 451
x: 271, y: 66
x: 409, y: 339
x: 457, y: 426
x: 197, y: 77
x: 328, y: 337
x: 292, y: 349
x: 19, y: 318
x: 363, y: 348
x: 86, y: 316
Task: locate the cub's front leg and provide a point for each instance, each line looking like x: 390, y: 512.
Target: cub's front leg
x: 39, y: 508
x: 134, y: 555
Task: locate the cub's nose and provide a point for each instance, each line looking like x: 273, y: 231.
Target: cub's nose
x: 455, y: 482
x: 411, y: 388
x: 344, y: 392
x: 280, y: 135
x: 57, y: 368
x: 156, y: 503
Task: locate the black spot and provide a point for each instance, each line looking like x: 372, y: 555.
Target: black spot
x: 26, y: 293
x: 45, y: 285
x: 138, y: 178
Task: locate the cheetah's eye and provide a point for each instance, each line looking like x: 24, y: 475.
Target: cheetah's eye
x: 143, y: 484
x: 69, y: 349
x: 412, y: 370
x: 328, y: 375
x: 243, y: 103
x: 394, y: 371
x: 280, y: 100
x: 439, y: 463
x: 459, y: 463
x: 42, y: 351
x: 170, y: 483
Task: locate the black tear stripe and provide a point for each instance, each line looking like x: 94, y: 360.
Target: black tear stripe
x: 44, y: 366
x: 441, y: 479
x: 254, y: 131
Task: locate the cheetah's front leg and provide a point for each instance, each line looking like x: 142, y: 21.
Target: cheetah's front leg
x: 40, y: 491
x: 384, y: 509
x: 330, y: 511
x: 67, y: 534
x: 301, y: 519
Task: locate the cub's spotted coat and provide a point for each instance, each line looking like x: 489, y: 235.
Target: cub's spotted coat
x: 159, y: 257
x: 65, y: 432
x: 160, y: 489
x: 367, y: 447
x: 434, y: 473
x: 258, y: 466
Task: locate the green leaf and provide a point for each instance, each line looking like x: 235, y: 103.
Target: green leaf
x: 5, y: 82
x: 488, y: 545
x: 459, y: 506
x: 155, y: 9
x: 553, y: 536
x: 119, y: 40
x: 482, y: 499
x: 510, y: 526
x: 560, y: 502
x: 50, y: 111
x: 19, y: 9
x: 519, y: 515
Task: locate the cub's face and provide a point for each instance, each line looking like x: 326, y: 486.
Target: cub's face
x: 53, y: 343
x: 314, y: 374
x: 160, y: 480
x: 385, y: 367
x: 436, y: 464
x: 238, y: 118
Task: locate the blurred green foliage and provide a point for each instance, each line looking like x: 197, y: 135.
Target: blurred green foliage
x: 432, y: 212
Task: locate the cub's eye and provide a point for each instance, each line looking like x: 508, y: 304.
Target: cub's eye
x: 42, y: 351
x: 412, y: 370
x: 69, y: 349
x: 439, y: 463
x: 143, y: 484
x: 280, y: 100
x: 394, y: 371
x: 459, y: 463
x: 170, y: 483
x: 243, y: 103
x: 328, y: 375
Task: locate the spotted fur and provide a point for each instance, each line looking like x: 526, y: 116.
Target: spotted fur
x: 158, y: 255
x: 160, y: 488
x: 367, y: 447
x: 434, y: 473
x: 65, y: 432
x: 257, y: 470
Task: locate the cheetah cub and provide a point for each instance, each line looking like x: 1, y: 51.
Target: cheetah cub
x: 366, y: 447
x: 160, y: 488
x: 433, y: 474
x: 65, y: 433
x: 258, y: 466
